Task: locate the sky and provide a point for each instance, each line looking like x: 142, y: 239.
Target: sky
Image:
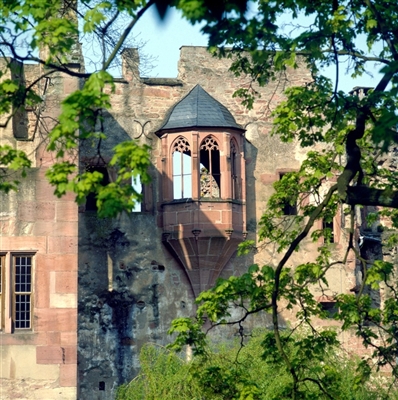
x: 164, y: 39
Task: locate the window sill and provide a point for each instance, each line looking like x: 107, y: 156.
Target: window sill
x: 203, y: 200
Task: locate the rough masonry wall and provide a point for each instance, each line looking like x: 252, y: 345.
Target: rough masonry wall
x: 40, y: 363
x: 130, y: 287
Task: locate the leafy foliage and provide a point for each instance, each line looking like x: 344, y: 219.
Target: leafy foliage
x: 346, y: 167
x: 256, y: 371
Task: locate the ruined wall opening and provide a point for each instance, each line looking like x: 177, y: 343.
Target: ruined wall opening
x: 91, y: 199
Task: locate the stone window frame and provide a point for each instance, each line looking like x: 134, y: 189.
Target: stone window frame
x: 103, y: 165
x: 8, y: 298
x: 336, y: 225
x: 183, y: 146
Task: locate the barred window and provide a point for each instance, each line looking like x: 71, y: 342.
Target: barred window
x: 16, y: 292
x: 22, y: 292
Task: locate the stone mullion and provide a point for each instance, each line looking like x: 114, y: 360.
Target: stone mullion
x: 195, y: 166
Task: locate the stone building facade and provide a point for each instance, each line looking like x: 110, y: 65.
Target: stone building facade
x: 95, y: 290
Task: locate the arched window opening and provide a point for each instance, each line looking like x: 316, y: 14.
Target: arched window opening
x: 91, y: 199
x: 235, y: 175
x: 210, y: 168
x: 182, y: 169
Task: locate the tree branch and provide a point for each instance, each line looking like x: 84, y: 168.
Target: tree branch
x: 367, y: 196
x: 126, y: 32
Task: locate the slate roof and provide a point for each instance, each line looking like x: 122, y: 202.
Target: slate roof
x: 198, y: 110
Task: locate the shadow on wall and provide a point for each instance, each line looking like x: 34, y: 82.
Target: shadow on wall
x: 131, y: 287
x: 121, y: 274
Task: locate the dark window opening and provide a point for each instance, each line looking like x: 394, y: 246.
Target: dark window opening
x: 330, y: 308
x: 101, y: 385
x: 328, y: 228
x: 210, y: 177
x: 288, y: 207
x: 91, y: 199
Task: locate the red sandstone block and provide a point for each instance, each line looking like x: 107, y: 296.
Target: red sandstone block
x: 169, y: 218
x: 45, y: 191
x: 149, y: 91
x: 49, y: 355
x: 66, y: 282
x: 184, y: 217
x: 37, y: 244
x: 68, y: 375
x: 32, y: 211
x: 44, y: 228
x: 64, y: 245
x: 267, y: 179
x: 22, y: 338
x: 44, y: 158
x: 69, y: 354
x: 56, y: 262
x: 49, y: 319
x: 66, y: 211
x: 51, y: 228
x: 53, y: 338
x: 68, y: 338
x: 67, y: 320
x: 41, y: 174
x: 7, y: 227
x: 70, y: 84
x: 211, y: 216
x: 64, y: 228
x: 45, y: 320
x: 42, y: 292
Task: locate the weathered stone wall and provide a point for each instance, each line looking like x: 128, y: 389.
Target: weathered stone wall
x: 130, y: 287
x: 41, y: 362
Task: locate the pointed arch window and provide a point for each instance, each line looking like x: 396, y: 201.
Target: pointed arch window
x: 182, y: 169
x: 235, y: 171
x: 210, y: 177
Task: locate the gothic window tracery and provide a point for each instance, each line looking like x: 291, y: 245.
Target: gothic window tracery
x: 210, y: 177
x: 182, y: 169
